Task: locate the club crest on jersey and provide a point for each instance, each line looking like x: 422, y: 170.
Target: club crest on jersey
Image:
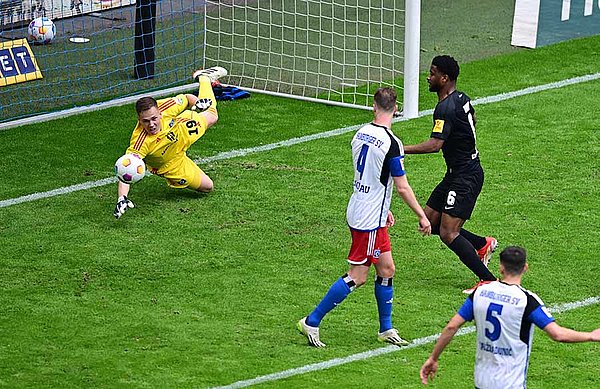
x: 182, y: 181
x: 179, y: 100
x: 171, y: 123
x: 438, y: 126
x: 376, y: 253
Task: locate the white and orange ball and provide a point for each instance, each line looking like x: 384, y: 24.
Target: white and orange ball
x: 130, y: 168
x: 41, y: 30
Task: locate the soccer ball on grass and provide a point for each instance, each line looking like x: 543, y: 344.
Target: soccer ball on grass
x: 41, y: 30
x: 130, y: 168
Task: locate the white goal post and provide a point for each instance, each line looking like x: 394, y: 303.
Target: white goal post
x: 333, y: 51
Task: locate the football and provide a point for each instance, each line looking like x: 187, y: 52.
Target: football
x: 41, y: 30
x: 130, y: 168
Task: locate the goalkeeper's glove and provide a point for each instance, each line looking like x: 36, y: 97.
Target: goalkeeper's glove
x: 202, y: 105
x: 122, y: 205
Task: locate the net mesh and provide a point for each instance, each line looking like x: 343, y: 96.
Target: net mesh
x: 335, y: 50
x: 76, y: 74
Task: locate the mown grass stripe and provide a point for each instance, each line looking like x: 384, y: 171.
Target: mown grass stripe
x: 303, y: 139
x: 558, y: 308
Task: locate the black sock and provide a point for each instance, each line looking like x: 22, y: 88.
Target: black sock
x: 476, y: 240
x: 467, y: 254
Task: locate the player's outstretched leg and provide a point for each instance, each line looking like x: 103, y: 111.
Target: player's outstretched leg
x: 337, y: 293
x: 206, y: 97
x: 213, y: 73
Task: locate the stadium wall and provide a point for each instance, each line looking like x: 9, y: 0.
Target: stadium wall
x: 539, y: 23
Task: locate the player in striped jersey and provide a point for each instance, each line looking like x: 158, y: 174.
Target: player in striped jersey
x: 504, y: 314
x: 378, y: 168
x: 166, y: 129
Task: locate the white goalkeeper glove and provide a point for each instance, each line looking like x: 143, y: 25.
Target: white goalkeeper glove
x: 202, y: 105
x: 122, y: 205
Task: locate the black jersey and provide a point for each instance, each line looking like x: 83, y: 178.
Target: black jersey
x: 454, y: 122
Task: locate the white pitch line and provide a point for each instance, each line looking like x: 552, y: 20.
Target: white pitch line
x: 302, y: 139
x: 56, y: 192
x: 559, y: 308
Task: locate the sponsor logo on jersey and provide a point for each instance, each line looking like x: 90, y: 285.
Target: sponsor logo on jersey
x: 438, y: 126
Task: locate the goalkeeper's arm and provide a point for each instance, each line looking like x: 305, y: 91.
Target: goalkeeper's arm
x: 123, y: 203
x: 122, y: 189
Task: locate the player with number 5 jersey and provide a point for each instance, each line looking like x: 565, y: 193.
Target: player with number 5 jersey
x: 505, y: 314
x: 378, y: 167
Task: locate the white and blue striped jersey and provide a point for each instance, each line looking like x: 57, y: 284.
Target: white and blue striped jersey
x: 378, y: 155
x: 504, y: 315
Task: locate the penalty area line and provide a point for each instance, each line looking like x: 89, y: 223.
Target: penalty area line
x: 302, y: 139
x: 558, y: 308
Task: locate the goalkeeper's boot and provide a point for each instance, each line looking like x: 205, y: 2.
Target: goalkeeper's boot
x: 485, y: 253
x: 213, y: 73
x: 392, y: 336
x: 311, y: 333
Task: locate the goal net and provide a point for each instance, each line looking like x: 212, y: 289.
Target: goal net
x: 336, y: 51
x: 92, y: 56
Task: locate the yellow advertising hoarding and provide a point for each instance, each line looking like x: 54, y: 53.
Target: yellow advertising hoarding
x: 17, y: 63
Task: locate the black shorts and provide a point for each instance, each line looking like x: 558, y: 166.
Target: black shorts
x: 457, y: 193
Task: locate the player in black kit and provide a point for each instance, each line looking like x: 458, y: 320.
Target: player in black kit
x: 453, y: 199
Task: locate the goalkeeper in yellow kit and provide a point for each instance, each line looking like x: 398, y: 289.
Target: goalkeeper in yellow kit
x: 166, y: 129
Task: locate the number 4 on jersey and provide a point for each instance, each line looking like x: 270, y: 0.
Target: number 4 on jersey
x: 362, y: 159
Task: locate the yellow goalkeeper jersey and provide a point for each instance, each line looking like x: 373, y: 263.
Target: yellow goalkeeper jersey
x: 179, y: 129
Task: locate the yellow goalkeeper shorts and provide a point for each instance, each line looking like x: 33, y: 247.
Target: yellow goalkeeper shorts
x: 186, y: 174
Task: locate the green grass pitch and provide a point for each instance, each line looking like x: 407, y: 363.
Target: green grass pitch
x: 190, y: 291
